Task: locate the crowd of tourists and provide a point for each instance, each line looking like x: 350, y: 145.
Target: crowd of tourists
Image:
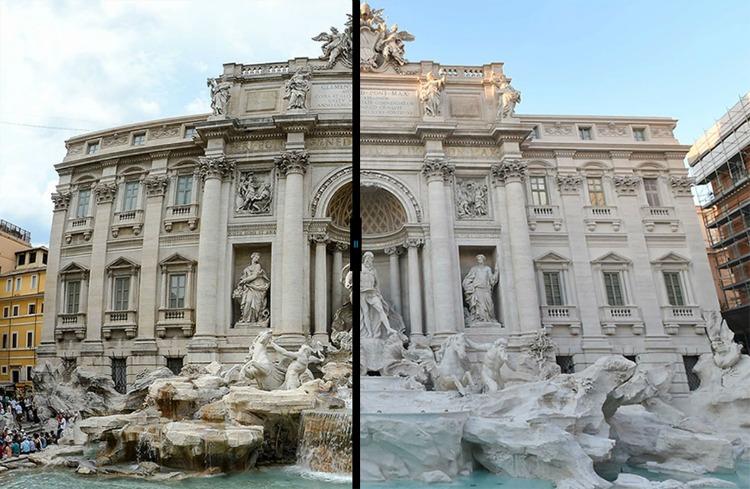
x: 17, y: 442
x: 22, y: 409
x: 27, y: 436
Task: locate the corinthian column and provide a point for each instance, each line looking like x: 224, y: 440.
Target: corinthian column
x: 321, y: 287
x: 415, y: 289
x: 292, y: 166
x: 213, y: 169
x: 512, y: 173
x: 395, y: 277
x: 337, y: 288
x: 437, y: 171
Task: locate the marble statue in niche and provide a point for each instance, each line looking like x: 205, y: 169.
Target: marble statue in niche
x: 296, y: 88
x: 373, y: 308
x: 252, y: 293
x: 254, y: 193
x: 219, y: 96
x: 430, y: 94
x: 478, y: 285
x: 471, y: 200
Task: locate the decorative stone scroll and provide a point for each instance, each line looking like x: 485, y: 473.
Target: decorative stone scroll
x: 105, y: 192
x: 626, y: 184
x: 508, y: 170
x: 681, y: 186
x: 558, y: 129
x: 254, y: 193
x: 379, y: 45
x: 156, y: 185
x: 61, y: 200
x: 215, y: 167
x: 295, y: 161
x: 569, y: 183
x: 471, y: 199
x: 437, y: 167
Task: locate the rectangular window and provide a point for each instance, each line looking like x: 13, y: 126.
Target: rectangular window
x: 15, y: 375
x: 737, y: 170
x: 33, y: 281
x: 689, y: 361
x: 29, y: 339
x: 32, y: 309
x: 139, y: 139
x: 4, y: 370
x: 585, y: 133
x: 566, y: 364
x: 674, y: 288
x: 639, y: 133
x: 92, y: 148
x: 6, y: 312
x: 14, y: 340
x: 553, y: 289
x: 41, y: 308
x: 189, y: 132
x: 44, y: 258
x: 651, y: 187
x: 84, y: 199
x: 9, y: 285
x: 15, y: 310
x: 596, y: 192
x: 19, y: 283
x: 184, y: 190
x: 174, y: 364
x: 613, y: 288
x: 5, y: 341
x: 119, y: 374
x: 28, y: 372
x: 536, y: 133
x: 32, y: 257
x: 130, y: 196
x: 122, y: 293
x: 177, y: 291
x: 72, y: 296
x: 539, y: 190
x: 22, y: 259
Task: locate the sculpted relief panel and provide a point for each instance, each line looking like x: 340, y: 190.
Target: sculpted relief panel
x: 254, y: 193
x: 471, y: 199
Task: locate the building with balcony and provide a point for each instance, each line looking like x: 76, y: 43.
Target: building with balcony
x: 588, y: 220
x: 155, y: 224
x: 720, y: 163
x: 21, y: 316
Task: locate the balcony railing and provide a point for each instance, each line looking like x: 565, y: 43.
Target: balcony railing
x: 181, y: 213
x: 675, y: 316
x: 613, y: 316
x: 127, y: 219
x: 175, y: 318
x: 561, y: 315
x: 601, y: 214
x: 74, y: 323
x: 79, y: 225
x: 125, y: 321
x: 543, y: 213
x: 652, y: 216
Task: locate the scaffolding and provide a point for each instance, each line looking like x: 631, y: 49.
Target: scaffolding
x: 15, y: 231
x: 720, y: 164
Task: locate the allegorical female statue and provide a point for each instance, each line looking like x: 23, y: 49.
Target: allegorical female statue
x: 373, y: 310
x: 429, y: 94
x: 478, y: 285
x: 296, y: 89
x: 252, y: 292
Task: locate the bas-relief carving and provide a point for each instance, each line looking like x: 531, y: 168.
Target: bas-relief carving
x: 612, y: 130
x: 114, y: 140
x: 296, y: 89
x: 661, y: 131
x: 558, y: 129
x: 164, y: 132
x: 254, y: 193
x: 252, y: 293
x: 430, y: 94
x: 477, y: 286
x: 380, y: 45
x: 219, y: 95
x: 75, y: 149
x: 471, y: 199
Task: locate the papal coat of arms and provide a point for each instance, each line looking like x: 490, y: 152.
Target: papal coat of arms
x: 379, y: 44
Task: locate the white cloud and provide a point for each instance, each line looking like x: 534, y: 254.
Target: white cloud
x: 92, y: 65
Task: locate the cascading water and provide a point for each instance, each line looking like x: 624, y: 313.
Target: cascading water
x: 325, y: 441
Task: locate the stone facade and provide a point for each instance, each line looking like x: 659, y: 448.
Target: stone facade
x: 154, y: 223
x: 581, y: 216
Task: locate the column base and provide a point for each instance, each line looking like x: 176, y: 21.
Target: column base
x: 92, y: 348
x: 290, y: 340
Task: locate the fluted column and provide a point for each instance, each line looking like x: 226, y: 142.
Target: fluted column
x: 513, y: 173
x: 337, y: 288
x: 292, y: 166
x: 321, y: 287
x: 415, y: 286
x: 437, y: 171
x: 47, y: 347
x: 394, y: 277
x: 212, y: 169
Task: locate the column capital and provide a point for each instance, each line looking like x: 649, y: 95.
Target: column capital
x: 569, y: 183
x: 508, y: 170
x: 413, y: 242
x: 319, y: 238
x: 215, y: 167
x: 105, y: 192
x: 295, y: 161
x: 434, y: 168
x: 681, y: 186
x: 342, y: 247
x: 392, y: 250
x: 626, y: 184
x: 156, y: 185
x: 61, y: 200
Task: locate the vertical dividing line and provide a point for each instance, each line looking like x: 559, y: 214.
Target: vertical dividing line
x: 355, y: 245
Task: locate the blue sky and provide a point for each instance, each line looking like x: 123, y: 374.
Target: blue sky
x: 684, y: 59
x: 91, y: 65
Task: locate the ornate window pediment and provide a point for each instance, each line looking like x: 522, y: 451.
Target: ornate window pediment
x: 123, y: 265
x: 671, y: 258
x: 73, y: 269
x: 612, y: 258
x: 177, y: 261
x: 552, y: 258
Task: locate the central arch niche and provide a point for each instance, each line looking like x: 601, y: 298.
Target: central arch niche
x: 382, y: 213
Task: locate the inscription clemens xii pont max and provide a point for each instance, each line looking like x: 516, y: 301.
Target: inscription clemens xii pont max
x: 389, y: 103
